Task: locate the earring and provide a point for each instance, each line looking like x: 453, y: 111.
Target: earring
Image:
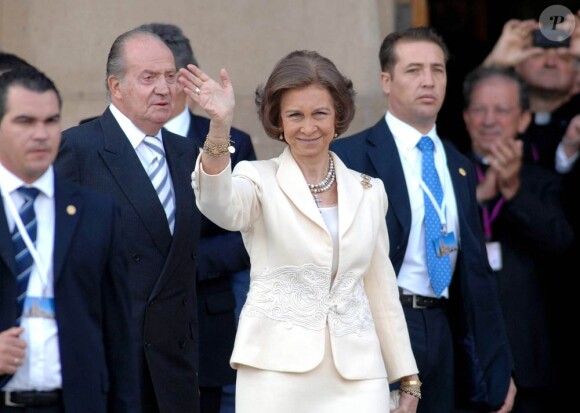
x: 281, y: 137
x: 336, y: 135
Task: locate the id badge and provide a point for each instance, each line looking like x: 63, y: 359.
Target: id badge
x: 494, y: 255
x: 445, y: 244
x: 38, y: 307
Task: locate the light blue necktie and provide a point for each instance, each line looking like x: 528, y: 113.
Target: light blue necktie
x: 439, y: 267
x: 24, y: 260
x: 159, y: 174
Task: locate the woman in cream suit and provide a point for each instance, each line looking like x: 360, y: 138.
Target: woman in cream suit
x: 322, y: 329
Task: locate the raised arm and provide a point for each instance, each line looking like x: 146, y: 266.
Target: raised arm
x: 218, y: 101
x: 514, y: 44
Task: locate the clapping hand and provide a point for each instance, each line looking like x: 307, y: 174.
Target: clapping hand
x: 571, y: 140
x: 506, y: 161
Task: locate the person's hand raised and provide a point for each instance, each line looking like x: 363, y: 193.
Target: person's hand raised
x: 216, y: 98
x: 571, y: 140
x: 488, y: 188
x: 506, y: 160
x: 575, y: 37
x: 514, y: 44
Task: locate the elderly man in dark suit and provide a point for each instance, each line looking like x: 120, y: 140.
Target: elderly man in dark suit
x: 523, y: 221
x: 222, y: 254
x: 65, y: 325
x: 126, y: 153
x: 436, y: 243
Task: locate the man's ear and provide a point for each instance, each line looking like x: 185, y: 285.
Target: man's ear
x: 114, y: 86
x: 386, y: 79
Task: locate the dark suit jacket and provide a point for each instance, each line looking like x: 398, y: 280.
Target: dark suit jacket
x: 221, y: 254
x: 99, y: 374
x: 161, y: 267
x: 530, y: 227
x: 482, y: 353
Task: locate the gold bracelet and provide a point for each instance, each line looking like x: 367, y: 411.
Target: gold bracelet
x: 412, y: 387
x: 213, y: 149
x: 412, y: 392
x: 411, y: 383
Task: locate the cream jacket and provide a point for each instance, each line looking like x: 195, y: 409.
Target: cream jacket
x: 291, y: 298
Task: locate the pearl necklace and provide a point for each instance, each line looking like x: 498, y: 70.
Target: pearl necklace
x: 325, y: 184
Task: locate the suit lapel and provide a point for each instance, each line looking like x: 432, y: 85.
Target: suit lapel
x: 385, y: 158
x: 293, y: 184
x: 458, y: 169
x: 198, y: 128
x: 67, y: 211
x: 350, y: 193
x: 181, y: 161
x: 126, y: 168
x: 180, y: 166
x: 6, y: 248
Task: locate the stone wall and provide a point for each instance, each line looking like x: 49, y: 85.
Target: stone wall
x: 70, y: 40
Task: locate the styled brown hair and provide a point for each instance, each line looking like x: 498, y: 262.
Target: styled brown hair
x: 387, y: 56
x: 299, y: 69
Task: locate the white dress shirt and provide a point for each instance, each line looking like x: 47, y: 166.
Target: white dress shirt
x: 41, y: 368
x: 179, y: 124
x: 136, y: 136
x: 413, y: 276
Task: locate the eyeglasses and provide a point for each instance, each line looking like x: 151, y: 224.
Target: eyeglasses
x: 499, y: 111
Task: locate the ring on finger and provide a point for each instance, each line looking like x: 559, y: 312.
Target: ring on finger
x: 197, y: 90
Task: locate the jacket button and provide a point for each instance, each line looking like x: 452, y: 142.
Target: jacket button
x: 136, y: 257
x: 185, y: 301
x: 181, y: 343
x: 193, y: 255
x: 147, y: 344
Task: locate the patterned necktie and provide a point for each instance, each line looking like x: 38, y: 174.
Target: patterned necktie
x: 439, y: 267
x: 24, y: 260
x: 159, y: 174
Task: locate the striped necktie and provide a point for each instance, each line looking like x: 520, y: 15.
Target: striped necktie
x: 159, y: 174
x: 24, y: 260
x: 439, y: 268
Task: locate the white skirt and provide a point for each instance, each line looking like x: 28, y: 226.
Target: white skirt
x: 321, y: 390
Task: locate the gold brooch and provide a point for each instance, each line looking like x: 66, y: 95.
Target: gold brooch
x: 462, y: 171
x: 71, y: 210
x: 366, y: 182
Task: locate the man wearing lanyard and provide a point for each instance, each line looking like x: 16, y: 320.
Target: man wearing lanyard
x: 65, y: 331
x: 436, y: 242
x: 523, y: 222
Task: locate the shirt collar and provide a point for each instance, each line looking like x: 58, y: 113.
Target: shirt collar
x: 406, y: 135
x: 179, y: 124
x: 10, y: 182
x: 133, y: 133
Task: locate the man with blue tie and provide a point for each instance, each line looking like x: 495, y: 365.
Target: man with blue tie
x: 446, y: 287
x: 65, y: 329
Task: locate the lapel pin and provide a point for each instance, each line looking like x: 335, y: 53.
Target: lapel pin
x: 462, y: 172
x: 71, y: 210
